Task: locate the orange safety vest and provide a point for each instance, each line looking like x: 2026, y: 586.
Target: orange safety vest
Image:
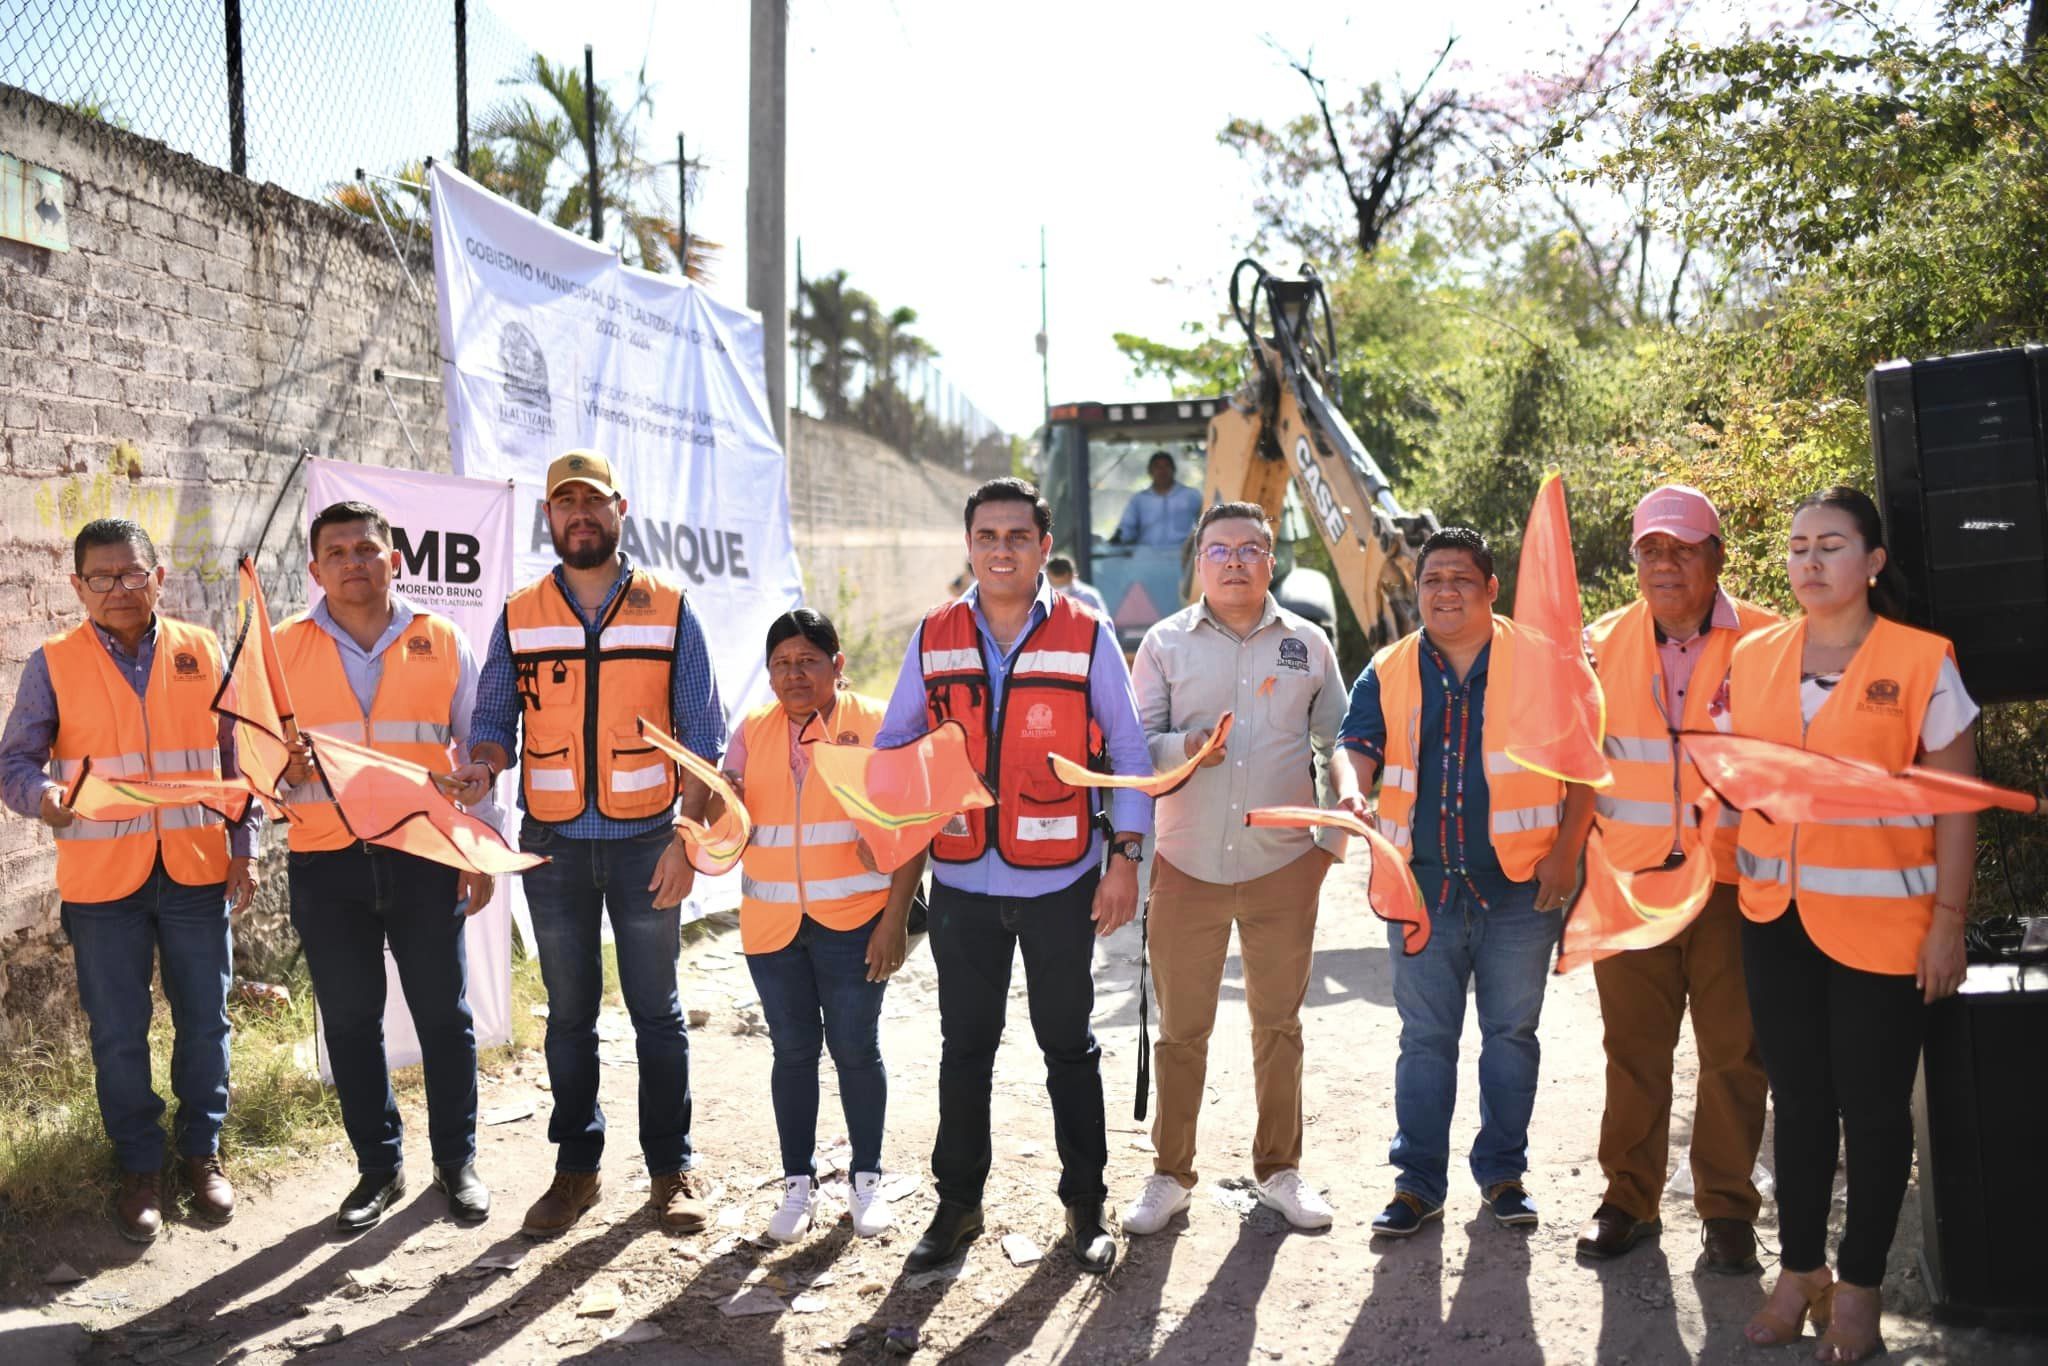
x: 1655, y: 785
x: 1526, y: 805
x: 1865, y: 888
x: 173, y: 734
x: 408, y: 718
x: 804, y: 858
x: 585, y: 692
x: 1037, y: 821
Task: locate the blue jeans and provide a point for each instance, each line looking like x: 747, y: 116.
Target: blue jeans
x: 346, y: 903
x: 116, y: 945
x: 589, y: 878
x: 815, y: 991
x: 1502, y: 953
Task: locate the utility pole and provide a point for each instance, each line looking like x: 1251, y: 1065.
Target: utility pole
x: 590, y: 145
x: 682, y: 209
x: 1044, y: 359
x: 767, y: 227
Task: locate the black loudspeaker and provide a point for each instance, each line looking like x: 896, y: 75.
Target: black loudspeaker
x: 1980, y: 1115
x: 1961, y: 446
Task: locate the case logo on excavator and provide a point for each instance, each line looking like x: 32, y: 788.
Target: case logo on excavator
x: 1322, y: 498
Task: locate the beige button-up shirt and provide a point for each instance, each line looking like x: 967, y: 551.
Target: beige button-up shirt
x: 1282, y: 685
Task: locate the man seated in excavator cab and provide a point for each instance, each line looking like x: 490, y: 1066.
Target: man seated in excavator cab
x: 1162, y: 513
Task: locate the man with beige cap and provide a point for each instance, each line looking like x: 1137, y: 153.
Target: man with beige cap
x: 1663, y: 663
x: 578, y: 656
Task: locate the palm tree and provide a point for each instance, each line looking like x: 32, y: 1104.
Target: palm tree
x: 831, y: 319
x: 532, y: 150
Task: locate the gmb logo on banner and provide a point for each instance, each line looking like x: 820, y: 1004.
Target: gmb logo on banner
x: 439, y: 566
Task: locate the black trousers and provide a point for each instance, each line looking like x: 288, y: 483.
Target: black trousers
x: 1841, y: 1047
x: 974, y: 939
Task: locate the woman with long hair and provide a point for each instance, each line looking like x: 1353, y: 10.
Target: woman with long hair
x: 820, y: 938
x: 1851, y: 927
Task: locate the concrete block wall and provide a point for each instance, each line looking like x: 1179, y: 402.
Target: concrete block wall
x: 169, y: 367
x: 879, y: 535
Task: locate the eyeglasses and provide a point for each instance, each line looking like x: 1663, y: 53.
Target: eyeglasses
x: 134, y: 580
x: 1681, y: 553
x: 1242, y: 554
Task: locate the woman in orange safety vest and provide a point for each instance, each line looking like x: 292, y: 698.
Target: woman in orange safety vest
x: 1850, y: 927
x: 816, y: 920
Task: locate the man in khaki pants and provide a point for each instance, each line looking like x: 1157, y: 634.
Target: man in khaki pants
x: 1237, y: 651
x: 1663, y: 661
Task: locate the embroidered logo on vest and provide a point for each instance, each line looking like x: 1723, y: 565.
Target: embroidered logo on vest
x: 639, y: 599
x: 1038, y: 721
x: 185, y: 665
x: 1881, y: 696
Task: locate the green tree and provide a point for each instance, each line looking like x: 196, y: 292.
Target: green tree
x: 533, y: 148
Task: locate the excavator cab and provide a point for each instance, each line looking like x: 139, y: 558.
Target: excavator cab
x: 1096, y: 462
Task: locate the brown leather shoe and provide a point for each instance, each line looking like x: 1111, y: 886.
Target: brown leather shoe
x: 213, y: 1199
x: 139, y: 1209
x: 567, y: 1197
x: 1612, y: 1231
x: 679, y: 1203
x: 1731, y: 1246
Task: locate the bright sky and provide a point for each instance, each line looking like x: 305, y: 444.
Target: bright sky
x: 929, y: 140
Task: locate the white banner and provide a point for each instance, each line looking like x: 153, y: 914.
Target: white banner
x: 552, y: 344
x: 454, y: 539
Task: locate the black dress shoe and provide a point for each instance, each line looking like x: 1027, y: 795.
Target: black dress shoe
x: 1612, y: 1231
x: 952, y: 1228
x: 365, y: 1205
x: 1094, y: 1248
x: 469, y: 1200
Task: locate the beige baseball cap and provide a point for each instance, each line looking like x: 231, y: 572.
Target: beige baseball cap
x: 581, y: 467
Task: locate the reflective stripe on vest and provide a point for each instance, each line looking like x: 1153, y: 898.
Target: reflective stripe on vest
x: 581, y: 747
x: 1399, y: 777
x: 815, y: 889
x: 169, y: 733
x: 1637, y: 749
x: 1864, y: 887
x: 814, y: 833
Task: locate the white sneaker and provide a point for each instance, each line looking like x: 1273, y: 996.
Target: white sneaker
x: 799, y: 1207
x: 1159, y: 1199
x: 1285, y: 1191
x: 869, y: 1208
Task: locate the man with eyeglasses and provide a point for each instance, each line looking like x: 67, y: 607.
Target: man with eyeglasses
x: 1028, y: 674
x: 1663, y: 664
x: 1235, y: 650
x: 133, y: 692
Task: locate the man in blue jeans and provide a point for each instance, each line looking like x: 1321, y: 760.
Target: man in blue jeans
x: 132, y: 691
x: 1028, y: 673
x: 1495, y: 850
x: 577, y: 658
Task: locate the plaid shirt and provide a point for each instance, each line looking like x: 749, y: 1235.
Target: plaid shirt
x: 697, y: 717
x: 1453, y: 806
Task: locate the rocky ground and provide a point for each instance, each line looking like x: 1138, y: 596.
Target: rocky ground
x: 1227, y: 1283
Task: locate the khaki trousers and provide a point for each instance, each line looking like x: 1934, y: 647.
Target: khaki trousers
x: 1643, y: 996
x: 1189, y: 937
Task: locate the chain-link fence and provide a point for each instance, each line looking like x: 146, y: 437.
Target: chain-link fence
x: 275, y: 90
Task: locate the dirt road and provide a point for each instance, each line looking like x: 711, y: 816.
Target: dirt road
x: 1228, y: 1283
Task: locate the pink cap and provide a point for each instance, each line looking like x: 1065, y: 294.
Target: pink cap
x: 1677, y: 510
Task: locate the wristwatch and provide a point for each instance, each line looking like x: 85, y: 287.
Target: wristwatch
x: 1134, y: 850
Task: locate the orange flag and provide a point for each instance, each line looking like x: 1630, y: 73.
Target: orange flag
x: 1616, y: 911
x: 1151, y: 784
x: 123, y: 799
x: 1389, y: 887
x: 899, y: 798
x: 1790, y: 785
x: 1557, y: 718
x: 396, y: 803
x: 713, y: 846
x: 253, y: 692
